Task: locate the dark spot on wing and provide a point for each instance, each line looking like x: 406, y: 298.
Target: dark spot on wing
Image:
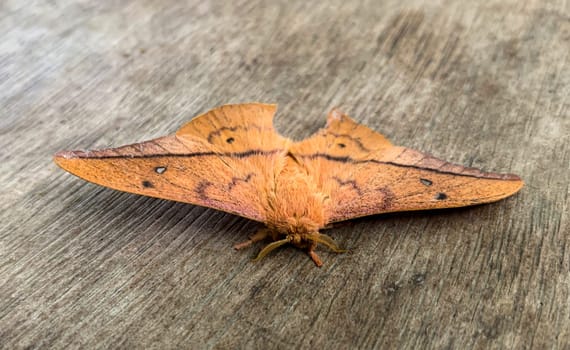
x: 230, y: 140
x: 160, y: 169
x: 426, y: 182
x: 440, y: 196
x: 147, y: 184
x: 341, y: 145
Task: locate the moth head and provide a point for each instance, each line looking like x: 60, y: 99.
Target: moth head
x: 294, y: 226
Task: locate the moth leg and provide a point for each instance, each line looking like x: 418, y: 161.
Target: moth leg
x: 315, y: 258
x: 256, y: 237
x: 313, y: 255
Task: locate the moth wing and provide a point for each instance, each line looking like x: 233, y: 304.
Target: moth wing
x: 224, y: 159
x: 362, y: 174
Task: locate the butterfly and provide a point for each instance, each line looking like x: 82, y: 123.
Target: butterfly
x: 232, y: 159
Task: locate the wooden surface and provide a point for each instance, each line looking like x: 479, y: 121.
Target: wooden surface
x: 484, y: 84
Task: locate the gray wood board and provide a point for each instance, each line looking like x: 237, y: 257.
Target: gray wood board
x: 484, y: 84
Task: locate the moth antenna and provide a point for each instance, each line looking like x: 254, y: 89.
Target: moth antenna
x: 271, y: 246
x: 258, y: 236
x: 328, y: 241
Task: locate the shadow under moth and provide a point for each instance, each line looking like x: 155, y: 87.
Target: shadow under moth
x: 232, y: 159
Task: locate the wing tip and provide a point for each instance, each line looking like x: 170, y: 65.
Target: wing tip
x: 512, y: 177
x: 78, y: 154
x: 509, y: 190
x: 337, y: 116
x: 66, y: 155
x: 507, y: 185
x: 518, y: 182
x: 491, y: 175
x: 65, y: 160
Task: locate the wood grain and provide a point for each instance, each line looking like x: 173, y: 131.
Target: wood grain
x: 483, y: 84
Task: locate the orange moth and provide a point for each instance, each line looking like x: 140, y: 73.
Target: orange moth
x: 231, y: 159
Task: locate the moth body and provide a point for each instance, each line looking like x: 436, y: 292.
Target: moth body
x: 295, y: 210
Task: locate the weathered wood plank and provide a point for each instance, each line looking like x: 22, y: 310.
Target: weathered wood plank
x: 484, y: 84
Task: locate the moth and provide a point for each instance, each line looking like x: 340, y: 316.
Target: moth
x: 232, y: 159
